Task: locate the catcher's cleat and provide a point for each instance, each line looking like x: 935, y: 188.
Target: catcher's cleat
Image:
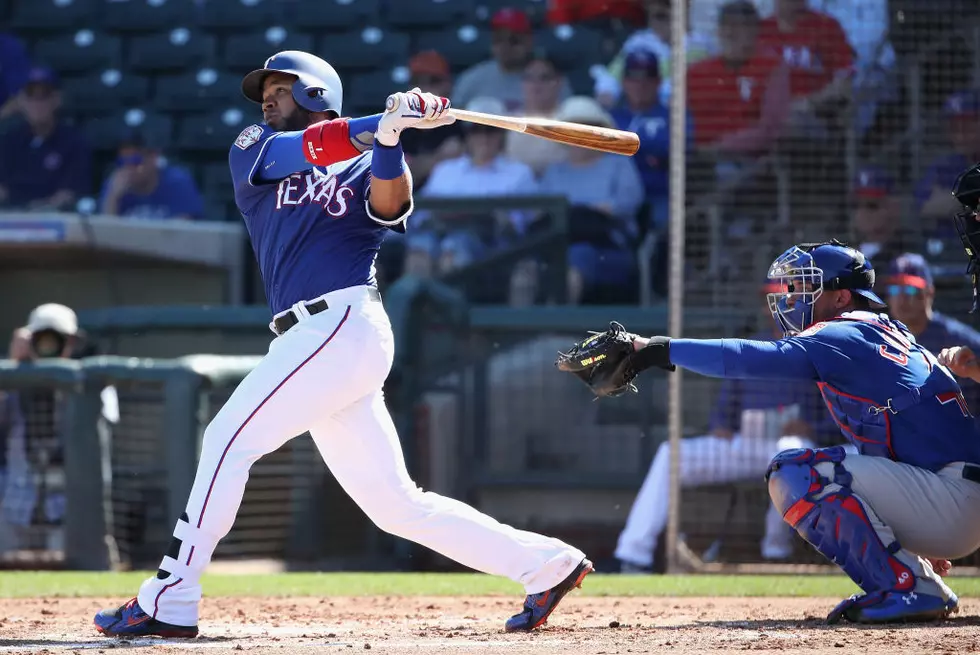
x: 130, y: 620
x: 537, y: 607
x: 893, y: 607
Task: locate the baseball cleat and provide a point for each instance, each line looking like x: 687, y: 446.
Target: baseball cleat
x: 130, y: 620
x: 893, y: 607
x: 537, y: 607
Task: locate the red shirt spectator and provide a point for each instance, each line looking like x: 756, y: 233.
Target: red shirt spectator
x: 812, y: 44
x: 739, y: 98
x: 562, y: 12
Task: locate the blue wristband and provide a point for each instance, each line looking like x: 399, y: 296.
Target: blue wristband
x: 387, y: 162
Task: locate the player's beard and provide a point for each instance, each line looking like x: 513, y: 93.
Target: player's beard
x: 297, y: 120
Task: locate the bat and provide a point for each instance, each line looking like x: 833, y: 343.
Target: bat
x: 605, y: 139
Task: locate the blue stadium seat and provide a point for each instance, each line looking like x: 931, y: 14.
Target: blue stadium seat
x: 232, y: 15
x: 319, y: 15
x: 104, y: 132
x: 213, y: 132
x: 573, y: 46
x: 216, y: 180
x: 580, y: 79
x: 462, y: 47
x: 535, y: 9
x: 146, y: 15
x: 245, y: 52
x: 177, y: 49
x: 365, y: 94
x: 105, y: 91
x: 79, y: 52
x: 51, y: 15
x: 369, y: 48
x: 196, y: 91
x: 427, y: 14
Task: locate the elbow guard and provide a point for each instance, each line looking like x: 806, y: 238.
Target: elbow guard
x: 656, y: 353
x: 328, y: 142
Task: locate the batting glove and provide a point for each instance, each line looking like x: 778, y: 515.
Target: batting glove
x: 414, y: 108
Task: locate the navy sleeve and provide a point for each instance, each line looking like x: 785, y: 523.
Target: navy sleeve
x: 187, y: 199
x: 77, y: 173
x: 244, y: 158
x: 741, y: 358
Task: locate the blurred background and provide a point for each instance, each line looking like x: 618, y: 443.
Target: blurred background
x: 133, y: 306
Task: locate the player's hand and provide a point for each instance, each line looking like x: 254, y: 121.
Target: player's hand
x: 940, y: 566
x: 414, y: 108
x: 961, y: 361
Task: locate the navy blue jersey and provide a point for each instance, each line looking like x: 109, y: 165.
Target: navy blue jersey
x: 312, y: 232
x: 887, y: 393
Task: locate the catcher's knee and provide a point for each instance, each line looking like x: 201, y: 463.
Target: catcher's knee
x: 795, y: 483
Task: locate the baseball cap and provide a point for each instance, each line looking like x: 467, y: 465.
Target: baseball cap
x: 912, y: 269
x: 429, y: 62
x: 52, y: 316
x: 641, y: 63
x: 42, y: 75
x: 509, y: 18
x: 873, y: 182
x: 963, y: 103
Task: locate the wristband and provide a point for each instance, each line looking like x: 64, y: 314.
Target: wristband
x: 655, y: 353
x: 328, y: 142
x: 387, y: 162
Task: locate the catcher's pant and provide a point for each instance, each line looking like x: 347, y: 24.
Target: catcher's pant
x: 703, y: 460
x: 325, y: 376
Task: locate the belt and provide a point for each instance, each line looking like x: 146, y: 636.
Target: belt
x: 971, y: 472
x: 287, y: 320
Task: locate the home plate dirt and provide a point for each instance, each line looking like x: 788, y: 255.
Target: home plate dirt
x: 581, y: 625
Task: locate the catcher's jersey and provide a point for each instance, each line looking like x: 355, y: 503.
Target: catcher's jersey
x: 888, y: 394
x: 311, y: 231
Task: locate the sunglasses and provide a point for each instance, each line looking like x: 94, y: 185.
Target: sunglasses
x: 904, y: 290
x: 873, y: 205
x: 129, y: 160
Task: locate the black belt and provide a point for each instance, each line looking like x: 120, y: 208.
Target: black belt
x: 289, y: 319
x: 971, y: 472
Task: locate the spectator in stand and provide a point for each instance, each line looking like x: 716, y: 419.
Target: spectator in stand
x: 604, y: 192
x: 14, y: 68
x: 739, y: 99
x: 503, y: 76
x: 439, y: 244
x: 656, y: 39
x: 933, y: 201
x: 46, y: 164
x: 564, y: 12
x: 910, y: 293
x: 426, y: 148
x: 144, y: 185
x: 543, y: 82
x: 643, y: 112
x: 876, y: 222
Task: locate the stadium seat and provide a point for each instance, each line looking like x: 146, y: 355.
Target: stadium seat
x: 319, y: 15
x: 79, y: 52
x: 572, y: 47
x: 216, y: 180
x: 51, y: 15
x: 212, y: 132
x: 535, y: 9
x: 365, y: 94
x: 427, y: 14
x: 146, y: 15
x: 197, y: 91
x: 245, y: 52
x: 105, y: 92
x: 462, y: 47
x: 174, y: 50
x: 581, y: 81
x: 365, y: 49
x: 104, y: 132
x: 231, y: 15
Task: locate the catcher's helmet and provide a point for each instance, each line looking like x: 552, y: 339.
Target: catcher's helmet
x: 966, y: 189
x: 317, y: 86
x: 805, y: 271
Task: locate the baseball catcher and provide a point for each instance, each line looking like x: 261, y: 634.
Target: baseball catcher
x: 889, y: 516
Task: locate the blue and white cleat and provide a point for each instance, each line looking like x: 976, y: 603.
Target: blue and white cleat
x: 894, y: 607
x: 537, y: 607
x: 130, y: 620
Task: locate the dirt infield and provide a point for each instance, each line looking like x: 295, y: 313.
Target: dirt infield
x: 582, y: 625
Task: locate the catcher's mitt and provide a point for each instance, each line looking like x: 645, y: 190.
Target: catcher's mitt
x: 603, y: 361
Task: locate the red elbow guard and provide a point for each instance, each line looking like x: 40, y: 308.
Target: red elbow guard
x: 328, y: 142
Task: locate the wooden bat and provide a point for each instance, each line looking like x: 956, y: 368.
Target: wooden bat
x: 605, y: 139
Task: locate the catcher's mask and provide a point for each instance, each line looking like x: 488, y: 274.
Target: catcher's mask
x: 966, y: 190
x: 803, y: 273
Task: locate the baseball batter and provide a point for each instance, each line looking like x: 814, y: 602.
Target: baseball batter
x: 893, y: 514
x: 318, y: 194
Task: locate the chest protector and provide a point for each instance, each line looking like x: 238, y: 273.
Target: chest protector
x: 866, y: 422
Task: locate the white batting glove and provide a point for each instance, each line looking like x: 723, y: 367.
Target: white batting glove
x: 414, y: 108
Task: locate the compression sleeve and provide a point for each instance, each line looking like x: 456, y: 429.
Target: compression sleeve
x: 741, y: 358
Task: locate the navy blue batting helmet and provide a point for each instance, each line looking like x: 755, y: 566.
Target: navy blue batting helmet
x: 317, y: 86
